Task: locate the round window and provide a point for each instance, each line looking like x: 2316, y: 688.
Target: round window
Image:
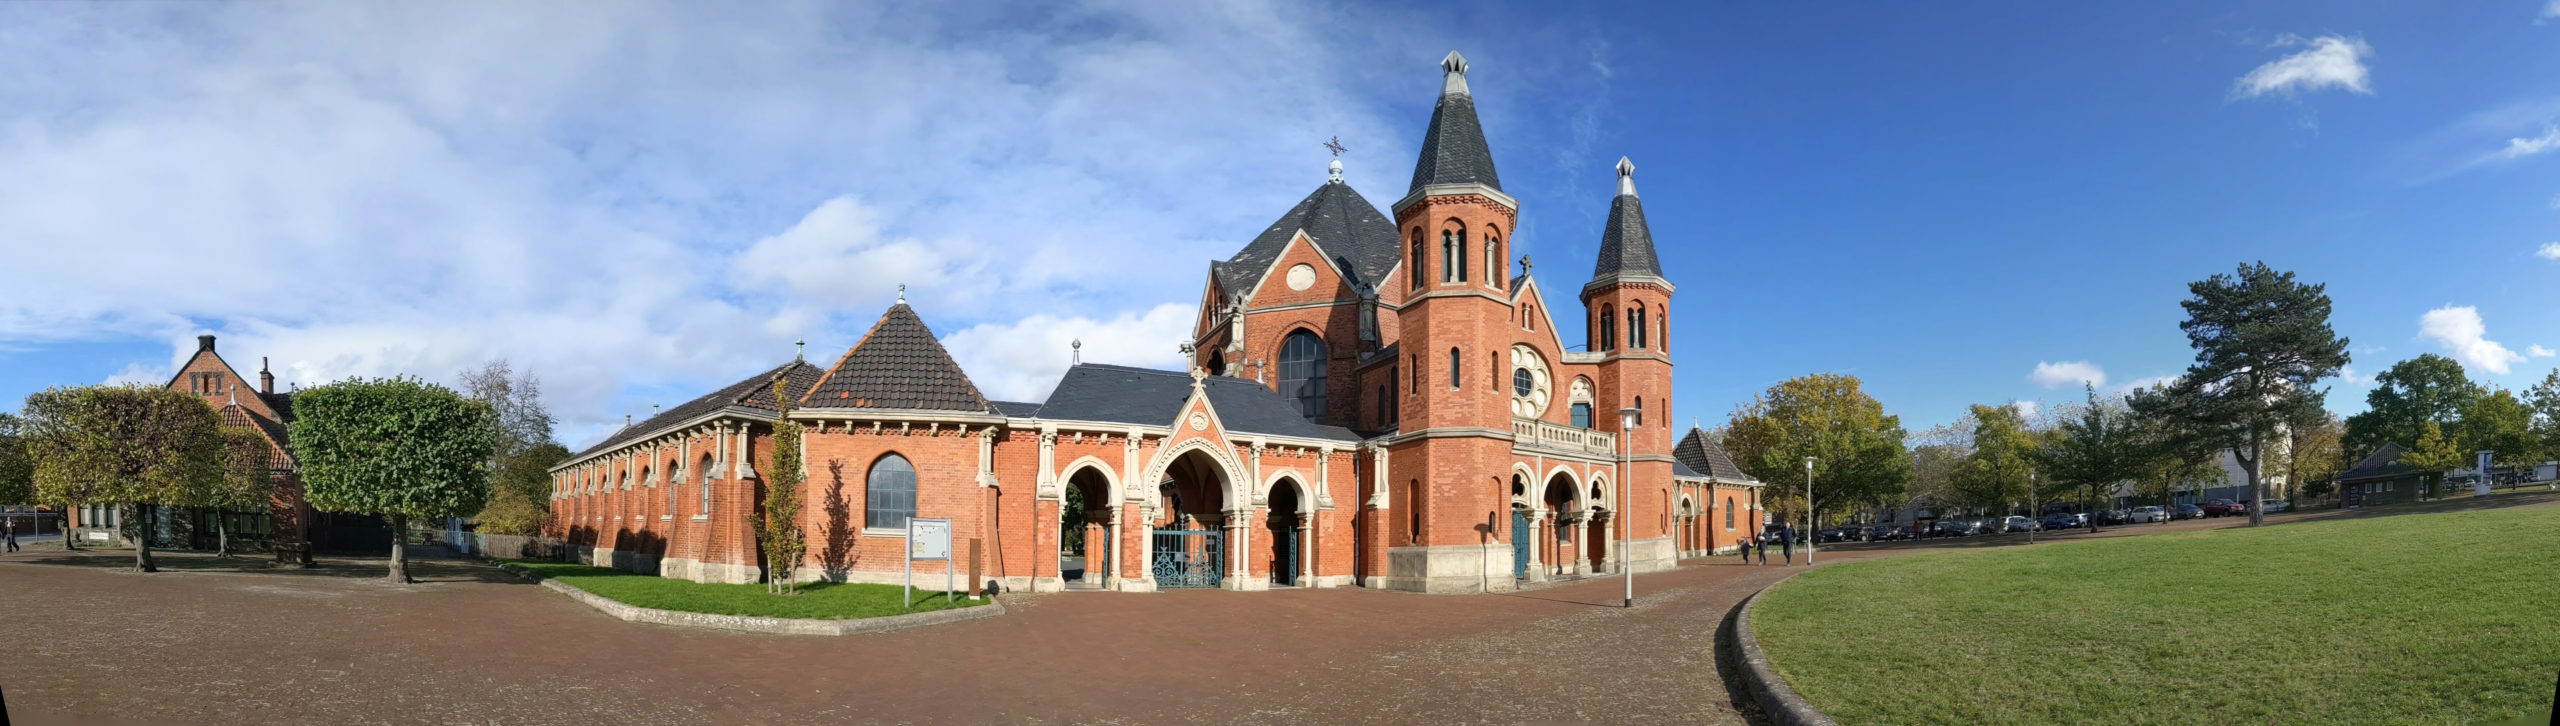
x: 1522, y: 381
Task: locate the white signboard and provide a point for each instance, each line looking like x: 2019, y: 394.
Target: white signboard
x: 928, y: 540
x: 2480, y: 484
x: 99, y: 536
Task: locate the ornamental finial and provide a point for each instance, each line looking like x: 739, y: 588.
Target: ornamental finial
x: 1453, y: 79
x: 1626, y: 177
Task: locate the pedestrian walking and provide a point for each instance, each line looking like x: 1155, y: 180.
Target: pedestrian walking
x: 1787, y: 543
x: 11, y: 532
x: 1743, y: 548
x: 1761, y: 543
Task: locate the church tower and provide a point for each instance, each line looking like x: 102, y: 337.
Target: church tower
x: 1449, y: 458
x: 1629, y: 307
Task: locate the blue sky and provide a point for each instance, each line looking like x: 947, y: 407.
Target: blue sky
x: 1959, y: 203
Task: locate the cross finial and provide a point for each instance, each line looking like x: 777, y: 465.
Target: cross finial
x: 1335, y: 144
x: 1524, y: 265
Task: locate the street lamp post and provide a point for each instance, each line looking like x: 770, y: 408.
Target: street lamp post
x: 1809, y: 537
x: 1626, y: 527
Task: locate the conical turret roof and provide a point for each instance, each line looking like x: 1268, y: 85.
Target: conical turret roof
x: 1626, y: 244
x: 1453, y: 148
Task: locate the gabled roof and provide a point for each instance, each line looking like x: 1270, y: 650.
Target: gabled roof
x: 1121, y: 394
x: 1626, y: 244
x: 1453, y: 147
x: 898, y: 365
x: 1701, y: 454
x: 237, y: 416
x: 2383, y: 462
x: 1343, y: 223
x: 753, y: 392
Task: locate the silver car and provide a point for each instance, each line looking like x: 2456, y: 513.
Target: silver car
x: 2271, y: 506
x: 2148, y: 515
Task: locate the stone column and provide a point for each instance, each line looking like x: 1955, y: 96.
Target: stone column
x: 1537, y: 573
x: 1306, y: 556
x: 1582, y: 545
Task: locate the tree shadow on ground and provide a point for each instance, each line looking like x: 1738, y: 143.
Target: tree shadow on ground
x: 423, y: 570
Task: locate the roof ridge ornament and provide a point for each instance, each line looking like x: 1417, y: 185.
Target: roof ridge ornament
x: 1333, y: 172
x: 1453, y: 80
x: 1626, y: 177
x: 902, y: 293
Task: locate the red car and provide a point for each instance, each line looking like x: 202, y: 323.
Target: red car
x: 2225, y: 508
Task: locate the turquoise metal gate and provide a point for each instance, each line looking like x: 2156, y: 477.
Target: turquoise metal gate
x: 1186, y: 558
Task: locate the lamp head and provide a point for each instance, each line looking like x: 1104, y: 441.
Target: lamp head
x: 1627, y: 417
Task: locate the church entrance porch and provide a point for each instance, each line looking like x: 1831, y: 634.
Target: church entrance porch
x: 1190, y: 546
x: 1085, y: 532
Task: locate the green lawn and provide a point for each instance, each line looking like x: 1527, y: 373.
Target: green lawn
x: 821, y: 600
x: 2444, y: 618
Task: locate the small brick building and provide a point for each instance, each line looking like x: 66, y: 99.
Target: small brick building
x: 1374, y: 398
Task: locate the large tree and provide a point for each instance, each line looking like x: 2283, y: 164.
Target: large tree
x: 17, y: 473
x: 2263, y: 343
x: 1858, y: 453
x: 2095, y: 449
x: 125, y: 445
x: 247, y: 484
x: 2002, y: 466
x: 2435, y: 454
x: 1935, y: 452
x: 2544, y: 398
x: 2428, y: 388
x: 399, y: 447
x: 2316, y: 453
x: 522, y: 450
x: 2174, y: 457
x: 2499, y: 423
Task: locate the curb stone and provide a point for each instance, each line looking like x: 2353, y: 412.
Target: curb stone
x: 760, y: 624
x: 1780, y: 702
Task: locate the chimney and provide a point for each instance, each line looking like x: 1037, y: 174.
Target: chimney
x: 204, y: 344
x: 266, y: 380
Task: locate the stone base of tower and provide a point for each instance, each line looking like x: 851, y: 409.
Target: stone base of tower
x: 1659, y: 554
x: 711, y: 572
x: 1449, y: 569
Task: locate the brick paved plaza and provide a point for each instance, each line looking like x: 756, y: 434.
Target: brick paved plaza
x: 472, y: 644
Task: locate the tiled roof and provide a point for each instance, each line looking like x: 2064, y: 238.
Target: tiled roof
x: 1453, y: 147
x: 898, y: 365
x: 236, y: 415
x: 1700, y: 453
x: 753, y: 392
x: 2383, y: 462
x: 1626, y: 245
x: 1121, y: 394
x: 1361, y: 240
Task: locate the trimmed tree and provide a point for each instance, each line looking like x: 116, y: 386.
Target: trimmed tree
x: 1857, y: 448
x: 2262, y: 344
x: 398, y: 447
x: 127, y: 445
x: 776, y: 521
x: 248, y: 482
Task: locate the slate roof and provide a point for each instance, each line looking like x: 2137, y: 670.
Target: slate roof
x: 1626, y: 244
x: 1453, y: 148
x: 1016, y: 409
x: 1361, y: 240
x: 1683, y: 471
x: 2383, y: 462
x: 753, y: 392
x: 1701, y: 454
x: 1121, y: 394
x: 898, y: 365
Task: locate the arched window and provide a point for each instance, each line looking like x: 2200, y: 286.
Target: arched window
x: 1462, y: 255
x: 1493, y: 373
x: 1453, y: 369
x: 1415, y: 273
x: 1608, y: 327
x: 1639, y: 410
x: 1448, y: 255
x: 1417, y: 373
x: 889, y: 493
x: 1413, y: 511
x: 1635, y: 326
x: 1382, y: 405
x: 675, y: 476
x: 1493, y: 267
x: 1581, y: 415
x: 1662, y: 322
x: 1728, y: 514
x: 709, y: 469
x: 1302, y: 371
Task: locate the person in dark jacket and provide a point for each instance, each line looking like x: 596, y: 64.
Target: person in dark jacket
x: 1787, y: 543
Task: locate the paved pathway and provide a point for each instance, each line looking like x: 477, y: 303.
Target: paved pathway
x: 205, y: 644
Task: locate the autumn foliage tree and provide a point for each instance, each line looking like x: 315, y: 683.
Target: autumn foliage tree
x: 130, y: 446
x: 247, y: 482
x: 1857, y: 448
x: 397, y: 447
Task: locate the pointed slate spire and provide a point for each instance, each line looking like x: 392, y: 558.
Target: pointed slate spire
x: 1453, y: 148
x: 1626, y: 244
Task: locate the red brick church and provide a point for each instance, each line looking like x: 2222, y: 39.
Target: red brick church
x: 1374, y: 399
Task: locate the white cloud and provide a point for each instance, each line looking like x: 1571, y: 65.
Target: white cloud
x: 2348, y: 374
x: 2550, y: 10
x: 639, y: 201
x: 2330, y: 61
x: 2148, y: 382
x: 2549, y: 251
x: 2536, y: 351
x: 1021, y: 360
x: 2521, y: 146
x: 2459, y: 330
x: 2068, y: 373
x: 2026, y: 409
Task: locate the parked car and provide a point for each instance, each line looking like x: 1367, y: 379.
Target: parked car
x: 1886, y: 533
x: 2061, y: 520
x: 2112, y: 517
x: 2272, y: 506
x: 1954, y: 528
x: 2187, y: 511
x: 2018, y: 524
x: 1836, y: 534
x: 2224, y: 508
x: 2147, y: 515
